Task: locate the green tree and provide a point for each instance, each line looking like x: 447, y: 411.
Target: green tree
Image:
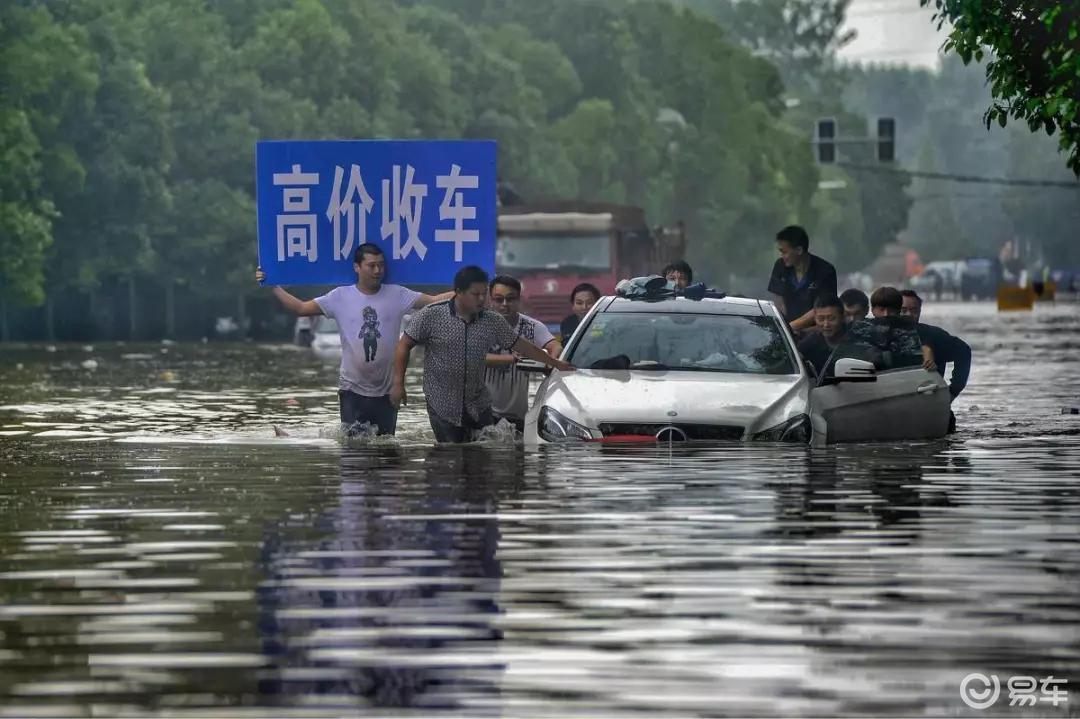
x: 1034, y: 61
x: 46, y: 81
x: 852, y: 223
x: 107, y: 223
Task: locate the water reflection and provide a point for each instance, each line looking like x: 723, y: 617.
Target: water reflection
x: 879, y: 489
x: 393, y: 603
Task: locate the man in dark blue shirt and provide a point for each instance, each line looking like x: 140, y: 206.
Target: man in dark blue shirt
x: 946, y: 348
x: 799, y: 278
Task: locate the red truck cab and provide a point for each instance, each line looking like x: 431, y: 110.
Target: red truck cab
x: 554, y: 246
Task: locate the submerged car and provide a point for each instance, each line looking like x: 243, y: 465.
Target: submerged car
x: 326, y: 341
x: 678, y: 369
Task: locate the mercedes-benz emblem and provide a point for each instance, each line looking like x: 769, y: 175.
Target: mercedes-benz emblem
x: 671, y: 433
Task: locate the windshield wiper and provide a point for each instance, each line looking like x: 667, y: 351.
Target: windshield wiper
x: 650, y: 365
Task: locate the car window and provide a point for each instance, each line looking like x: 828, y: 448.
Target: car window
x: 678, y: 341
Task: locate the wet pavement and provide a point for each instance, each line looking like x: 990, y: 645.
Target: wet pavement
x: 162, y: 552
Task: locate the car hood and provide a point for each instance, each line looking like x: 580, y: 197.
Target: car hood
x: 594, y: 396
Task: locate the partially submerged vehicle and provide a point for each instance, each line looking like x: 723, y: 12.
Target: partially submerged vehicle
x: 662, y: 367
x: 326, y: 341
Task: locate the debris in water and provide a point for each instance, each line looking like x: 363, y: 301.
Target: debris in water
x: 90, y: 364
x: 1070, y: 410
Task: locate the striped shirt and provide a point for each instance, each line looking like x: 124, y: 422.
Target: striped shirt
x: 508, y: 385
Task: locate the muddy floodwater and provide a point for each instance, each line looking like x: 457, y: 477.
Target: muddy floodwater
x: 164, y: 552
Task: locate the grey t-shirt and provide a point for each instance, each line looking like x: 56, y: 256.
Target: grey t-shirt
x: 454, y: 352
x: 369, y: 327
x: 509, y: 386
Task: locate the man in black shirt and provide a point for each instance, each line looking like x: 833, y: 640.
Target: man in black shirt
x: 946, y: 347
x: 819, y: 346
x: 888, y: 339
x: 582, y: 298
x: 799, y: 278
x: 856, y: 305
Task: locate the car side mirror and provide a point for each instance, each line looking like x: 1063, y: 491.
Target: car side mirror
x: 849, y: 369
x: 528, y: 365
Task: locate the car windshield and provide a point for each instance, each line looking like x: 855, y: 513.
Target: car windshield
x: 687, y: 342
x: 327, y: 326
x: 554, y: 252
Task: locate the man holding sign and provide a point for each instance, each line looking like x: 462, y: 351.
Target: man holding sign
x: 430, y: 203
x: 369, y: 315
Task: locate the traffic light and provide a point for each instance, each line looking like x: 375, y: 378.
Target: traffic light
x: 886, y: 139
x: 825, y: 139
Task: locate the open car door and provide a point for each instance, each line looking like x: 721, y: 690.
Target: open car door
x: 865, y: 405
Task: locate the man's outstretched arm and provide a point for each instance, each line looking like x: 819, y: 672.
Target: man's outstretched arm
x: 804, y: 322
x: 424, y: 300
x: 303, y: 308
x: 528, y: 349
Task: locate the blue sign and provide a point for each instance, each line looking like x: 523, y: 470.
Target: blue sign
x: 430, y: 206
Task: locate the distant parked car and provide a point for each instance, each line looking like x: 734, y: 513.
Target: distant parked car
x: 304, y: 330
x: 1066, y: 280
x: 938, y: 278
x: 979, y: 279
x: 326, y: 341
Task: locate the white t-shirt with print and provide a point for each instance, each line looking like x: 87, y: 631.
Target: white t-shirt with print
x: 509, y: 386
x: 369, y: 327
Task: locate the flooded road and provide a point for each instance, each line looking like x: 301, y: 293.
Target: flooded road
x: 163, y: 552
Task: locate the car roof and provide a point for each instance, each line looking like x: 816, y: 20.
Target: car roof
x: 743, y: 306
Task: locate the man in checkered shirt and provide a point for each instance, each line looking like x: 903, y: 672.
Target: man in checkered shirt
x: 457, y: 335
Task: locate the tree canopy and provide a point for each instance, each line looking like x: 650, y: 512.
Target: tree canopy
x: 1033, y: 66
x: 127, y: 127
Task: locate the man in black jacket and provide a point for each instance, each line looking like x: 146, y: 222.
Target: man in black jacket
x: 817, y: 347
x: 946, y: 347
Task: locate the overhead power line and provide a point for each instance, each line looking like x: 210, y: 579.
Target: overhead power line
x: 1014, y: 182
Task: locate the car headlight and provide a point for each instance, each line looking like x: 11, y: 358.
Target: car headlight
x: 553, y: 427
x: 796, y: 429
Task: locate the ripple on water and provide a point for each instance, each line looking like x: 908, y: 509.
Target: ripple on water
x: 197, y: 564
